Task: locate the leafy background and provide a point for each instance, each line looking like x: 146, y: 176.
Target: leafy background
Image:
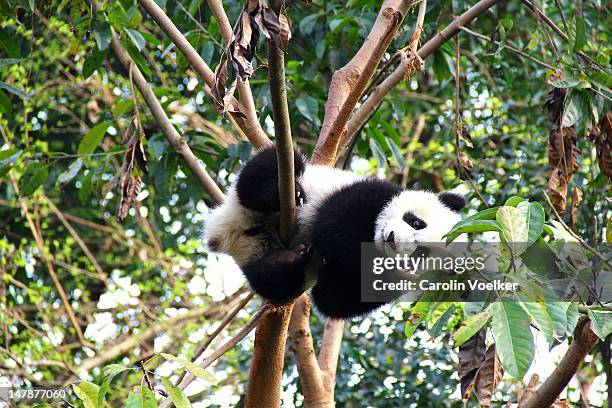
x: 65, y: 103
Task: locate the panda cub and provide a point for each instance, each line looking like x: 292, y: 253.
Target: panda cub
x: 337, y: 211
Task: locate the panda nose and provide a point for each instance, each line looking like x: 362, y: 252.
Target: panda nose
x: 390, y: 237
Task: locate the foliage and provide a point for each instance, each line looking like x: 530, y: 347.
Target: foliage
x: 66, y: 105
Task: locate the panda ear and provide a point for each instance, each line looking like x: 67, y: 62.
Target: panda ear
x: 453, y: 201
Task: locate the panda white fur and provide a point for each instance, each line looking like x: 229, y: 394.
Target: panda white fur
x: 339, y: 210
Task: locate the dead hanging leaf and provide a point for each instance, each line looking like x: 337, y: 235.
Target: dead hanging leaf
x: 554, y: 103
x: 221, y: 95
x: 466, y: 164
x: 576, y: 200
x: 471, y: 357
x: 130, y: 182
x: 256, y: 19
x: 488, y: 377
x: 242, y: 49
x: 563, y: 152
x: 93, y: 110
x: 602, y: 137
x: 557, y: 190
x: 284, y: 35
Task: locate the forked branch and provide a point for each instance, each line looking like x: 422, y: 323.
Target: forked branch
x: 249, y: 123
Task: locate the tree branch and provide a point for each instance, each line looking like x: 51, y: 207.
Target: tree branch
x: 555, y: 28
x: 314, y: 389
x: 349, y: 82
x: 249, y: 124
x: 176, y: 141
x: 508, y: 47
x: 118, y: 349
x: 266, y: 370
x: 284, y: 145
x: 371, y: 104
x: 583, y: 341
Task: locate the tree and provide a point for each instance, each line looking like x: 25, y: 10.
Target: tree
x: 118, y: 134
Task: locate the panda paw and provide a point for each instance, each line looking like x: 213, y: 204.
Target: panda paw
x: 302, y: 252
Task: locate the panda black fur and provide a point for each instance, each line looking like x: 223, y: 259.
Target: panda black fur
x: 339, y: 211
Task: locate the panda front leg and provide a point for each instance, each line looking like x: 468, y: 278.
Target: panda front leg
x: 257, y: 184
x: 279, y: 275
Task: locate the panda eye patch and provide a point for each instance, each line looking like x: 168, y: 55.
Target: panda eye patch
x: 414, y: 221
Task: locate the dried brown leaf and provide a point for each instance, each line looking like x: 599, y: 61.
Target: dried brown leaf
x: 489, y: 375
x: 284, y: 35
x: 560, y: 404
x: 557, y: 190
x: 471, y: 357
x: 134, y: 164
x: 576, y: 200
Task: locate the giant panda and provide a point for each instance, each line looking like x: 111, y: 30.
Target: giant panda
x: 337, y: 211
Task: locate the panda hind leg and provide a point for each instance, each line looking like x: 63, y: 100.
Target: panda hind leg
x: 279, y: 275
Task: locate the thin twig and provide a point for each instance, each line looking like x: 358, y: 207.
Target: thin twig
x: 578, y: 237
x: 249, y: 123
x: 199, y: 353
x: 242, y: 333
x: 176, y: 141
x: 508, y: 47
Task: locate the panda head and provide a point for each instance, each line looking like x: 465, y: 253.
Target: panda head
x: 417, y: 217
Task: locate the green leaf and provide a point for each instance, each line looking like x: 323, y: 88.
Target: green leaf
x: 569, y: 82
x: 102, y: 33
x: 92, y: 139
x: 533, y: 41
x: 193, y: 369
x: 7, y: 42
x: 472, y: 226
x: 32, y: 178
x: 437, y: 327
x: 507, y: 23
x: 513, y: 337
x: 534, y: 214
x: 580, y: 39
x: 14, y: 90
x: 136, y: 38
x: 308, y: 107
x: 87, y: 392
x: 86, y: 187
x: 514, y: 228
x: 9, y: 61
x: 8, y: 158
x: 470, y: 327
x: 419, y: 313
x: 571, y: 110
x: 558, y: 314
x: 141, y: 63
x: 395, y: 152
x: 143, y: 399
x: 71, y: 173
x: 177, y: 396
x: 5, y: 103
x: 572, y: 316
x: 441, y: 66
x: 540, y: 318
x: 110, y: 371
x: 602, y: 322
x: 378, y: 153
x: 514, y: 201
x: 93, y: 61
